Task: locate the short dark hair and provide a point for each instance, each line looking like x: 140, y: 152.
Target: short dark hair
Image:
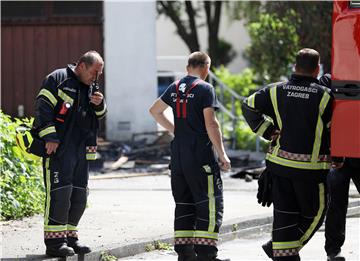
x: 90, y: 57
x: 198, y: 59
x: 307, y: 60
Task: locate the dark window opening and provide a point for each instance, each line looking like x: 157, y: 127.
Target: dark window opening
x: 77, y: 8
x: 22, y: 9
x: 51, y: 11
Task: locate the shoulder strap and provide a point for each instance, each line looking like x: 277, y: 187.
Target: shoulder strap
x: 193, y: 85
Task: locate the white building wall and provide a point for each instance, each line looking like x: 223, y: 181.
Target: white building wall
x: 130, y: 63
x: 170, y: 44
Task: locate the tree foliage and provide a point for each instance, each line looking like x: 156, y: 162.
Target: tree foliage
x: 187, y: 16
x: 311, y: 20
x: 243, y: 84
x: 271, y: 53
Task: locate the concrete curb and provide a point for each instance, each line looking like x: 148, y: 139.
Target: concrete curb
x: 231, y: 230
x: 126, y: 175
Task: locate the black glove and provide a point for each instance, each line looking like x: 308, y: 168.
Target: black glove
x: 264, y: 195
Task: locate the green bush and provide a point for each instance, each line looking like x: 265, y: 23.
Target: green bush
x: 274, y: 43
x: 243, y: 84
x: 21, y: 182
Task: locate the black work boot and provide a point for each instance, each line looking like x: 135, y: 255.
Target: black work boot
x: 59, y: 250
x: 187, y: 257
x: 185, y: 252
x: 336, y: 257
x: 210, y: 258
x: 267, y: 247
x: 78, y: 248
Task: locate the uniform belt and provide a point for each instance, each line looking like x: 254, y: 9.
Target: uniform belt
x: 299, y: 156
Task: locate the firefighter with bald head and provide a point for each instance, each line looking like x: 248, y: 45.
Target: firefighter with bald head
x: 67, y: 111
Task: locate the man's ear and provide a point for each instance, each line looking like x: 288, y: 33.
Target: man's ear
x: 317, y: 70
x: 82, y: 66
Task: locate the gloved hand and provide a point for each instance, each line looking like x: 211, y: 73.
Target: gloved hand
x: 264, y: 195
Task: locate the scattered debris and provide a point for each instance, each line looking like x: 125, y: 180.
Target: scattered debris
x: 249, y: 173
x: 150, y: 152
x: 121, y: 161
x: 147, y: 151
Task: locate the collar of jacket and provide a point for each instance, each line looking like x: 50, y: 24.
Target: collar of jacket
x: 297, y: 77
x: 71, y: 74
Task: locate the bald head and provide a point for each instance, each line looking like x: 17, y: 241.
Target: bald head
x: 91, y: 57
x: 89, y: 67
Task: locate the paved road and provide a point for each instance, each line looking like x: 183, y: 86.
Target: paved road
x: 249, y: 248
x: 125, y: 211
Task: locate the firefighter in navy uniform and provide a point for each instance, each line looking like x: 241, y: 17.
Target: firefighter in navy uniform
x: 67, y: 111
x: 295, y: 116
x: 195, y: 174
x: 338, y: 187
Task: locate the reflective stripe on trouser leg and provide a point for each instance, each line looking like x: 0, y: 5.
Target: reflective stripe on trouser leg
x: 285, y: 232
x: 318, y: 219
x: 72, y: 231
x: 56, y: 206
x: 184, y: 221
x: 78, y: 204
x: 210, y: 210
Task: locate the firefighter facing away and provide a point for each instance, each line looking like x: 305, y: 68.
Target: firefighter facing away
x: 67, y: 110
x: 195, y: 174
x: 295, y: 115
x: 338, y: 182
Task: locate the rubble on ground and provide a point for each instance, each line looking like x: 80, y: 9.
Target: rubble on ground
x: 150, y: 152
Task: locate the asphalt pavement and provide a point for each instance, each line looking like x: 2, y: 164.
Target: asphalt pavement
x: 128, y: 211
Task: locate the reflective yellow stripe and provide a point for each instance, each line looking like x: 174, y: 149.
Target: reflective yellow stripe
x: 20, y: 141
x: 48, y: 95
x: 65, y: 97
x: 184, y: 233
x: 318, y: 215
x: 286, y: 245
x: 273, y: 97
x: 100, y: 113
x: 71, y: 228
x: 30, y: 138
x: 212, y: 212
x: 91, y: 156
x: 251, y: 100
x: 47, y: 131
x: 207, y: 168
x: 55, y: 228
x: 48, y: 188
x: 263, y: 127
x: 319, y: 127
x: 206, y: 234
x: 298, y: 164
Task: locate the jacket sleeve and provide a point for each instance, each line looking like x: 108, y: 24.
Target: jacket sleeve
x: 100, y: 110
x: 45, y: 104
x: 258, y: 113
